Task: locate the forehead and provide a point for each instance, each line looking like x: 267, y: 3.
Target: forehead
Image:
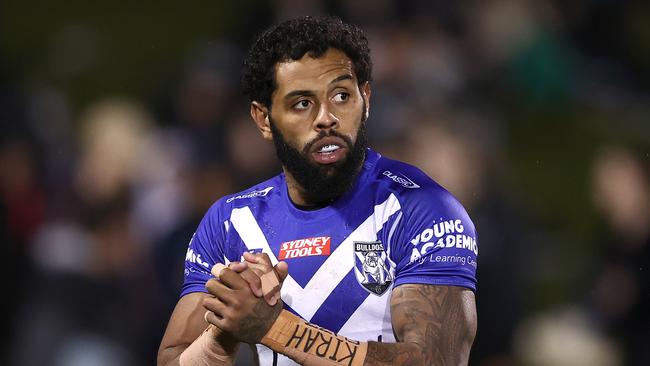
x: 309, y: 73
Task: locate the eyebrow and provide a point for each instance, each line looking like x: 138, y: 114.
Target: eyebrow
x: 341, y: 78
x: 296, y: 93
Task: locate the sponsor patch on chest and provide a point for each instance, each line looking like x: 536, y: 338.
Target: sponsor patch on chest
x: 306, y: 247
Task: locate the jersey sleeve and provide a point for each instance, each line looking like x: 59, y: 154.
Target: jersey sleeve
x: 437, y: 243
x: 204, y: 251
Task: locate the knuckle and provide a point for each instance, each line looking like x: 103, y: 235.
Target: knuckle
x: 230, y: 316
x: 235, y: 302
x: 225, y: 324
x: 211, y: 285
x: 208, y: 303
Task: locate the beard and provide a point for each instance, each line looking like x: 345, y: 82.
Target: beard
x: 322, y: 184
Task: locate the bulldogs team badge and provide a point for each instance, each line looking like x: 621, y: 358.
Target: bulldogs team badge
x: 371, y: 268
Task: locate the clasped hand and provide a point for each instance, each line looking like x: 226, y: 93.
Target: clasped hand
x: 239, y: 306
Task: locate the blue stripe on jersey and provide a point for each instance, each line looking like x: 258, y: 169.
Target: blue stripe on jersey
x: 334, y: 313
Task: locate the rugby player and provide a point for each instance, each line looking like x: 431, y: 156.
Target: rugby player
x: 346, y: 257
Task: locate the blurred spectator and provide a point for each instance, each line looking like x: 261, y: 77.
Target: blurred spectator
x: 111, y: 133
x: 621, y: 296
x: 564, y: 338
x: 251, y: 157
x: 20, y: 191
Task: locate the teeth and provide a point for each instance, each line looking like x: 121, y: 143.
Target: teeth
x: 328, y: 148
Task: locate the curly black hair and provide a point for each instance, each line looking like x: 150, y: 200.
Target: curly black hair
x: 291, y: 40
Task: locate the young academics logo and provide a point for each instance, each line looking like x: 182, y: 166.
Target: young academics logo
x: 307, y: 247
x: 371, y: 269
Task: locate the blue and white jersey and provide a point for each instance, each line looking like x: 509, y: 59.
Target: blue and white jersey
x: 395, y: 226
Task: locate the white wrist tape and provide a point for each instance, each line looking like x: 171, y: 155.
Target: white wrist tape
x: 205, y: 351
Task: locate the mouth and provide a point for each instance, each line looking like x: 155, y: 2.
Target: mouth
x: 328, y: 150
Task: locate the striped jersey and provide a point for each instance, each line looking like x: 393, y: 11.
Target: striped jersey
x: 394, y: 226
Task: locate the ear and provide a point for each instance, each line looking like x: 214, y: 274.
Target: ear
x: 365, y: 94
x: 260, y: 114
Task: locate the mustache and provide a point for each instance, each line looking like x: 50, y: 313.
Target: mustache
x: 322, y: 135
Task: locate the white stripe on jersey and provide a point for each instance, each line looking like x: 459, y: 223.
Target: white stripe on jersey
x: 372, y: 308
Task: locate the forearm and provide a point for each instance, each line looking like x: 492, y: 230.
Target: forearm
x: 311, y: 345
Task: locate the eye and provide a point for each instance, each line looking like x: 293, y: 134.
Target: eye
x: 341, y: 97
x: 302, y: 105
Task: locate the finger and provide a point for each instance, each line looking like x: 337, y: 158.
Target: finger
x: 252, y: 261
x: 214, y: 305
x: 273, y: 285
x: 272, y: 296
x: 238, y: 266
x: 271, y: 277
x: 233, y: 280
x: 260, y: 269
x: 216, y: 269
x: 282, y: 270
x: 219, y: 290
x: 274, y: 278
x: 259, y: 258
x: 254, y: 281
x: 260, y: 262
x: 269, y: 282
x: 213, y: 319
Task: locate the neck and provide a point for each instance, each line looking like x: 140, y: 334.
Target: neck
x: 297, y: 193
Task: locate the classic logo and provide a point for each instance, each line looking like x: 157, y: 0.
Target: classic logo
x: 252, y: 194
x: 401, y: 179
x: 372, y: 270
x: 307, y: 247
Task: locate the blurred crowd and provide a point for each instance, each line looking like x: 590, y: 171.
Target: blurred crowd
x: 535, y: 114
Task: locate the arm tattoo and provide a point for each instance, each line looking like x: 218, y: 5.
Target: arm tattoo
x: 434, y: 325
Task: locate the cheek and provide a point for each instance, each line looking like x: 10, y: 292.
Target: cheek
x: 351, y: 120
x: 292, y: 137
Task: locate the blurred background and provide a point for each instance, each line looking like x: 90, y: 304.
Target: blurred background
x: 121, y: 123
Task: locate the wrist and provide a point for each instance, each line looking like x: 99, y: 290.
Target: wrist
x: 213, y: 346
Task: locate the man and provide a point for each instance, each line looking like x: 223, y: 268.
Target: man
x: 378, y: 261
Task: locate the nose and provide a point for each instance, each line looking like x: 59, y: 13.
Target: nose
x: 325, y: 119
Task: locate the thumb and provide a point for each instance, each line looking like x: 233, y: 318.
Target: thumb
x: 282, y: 270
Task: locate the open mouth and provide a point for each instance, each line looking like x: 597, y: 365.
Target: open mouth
x: 329, y: 150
